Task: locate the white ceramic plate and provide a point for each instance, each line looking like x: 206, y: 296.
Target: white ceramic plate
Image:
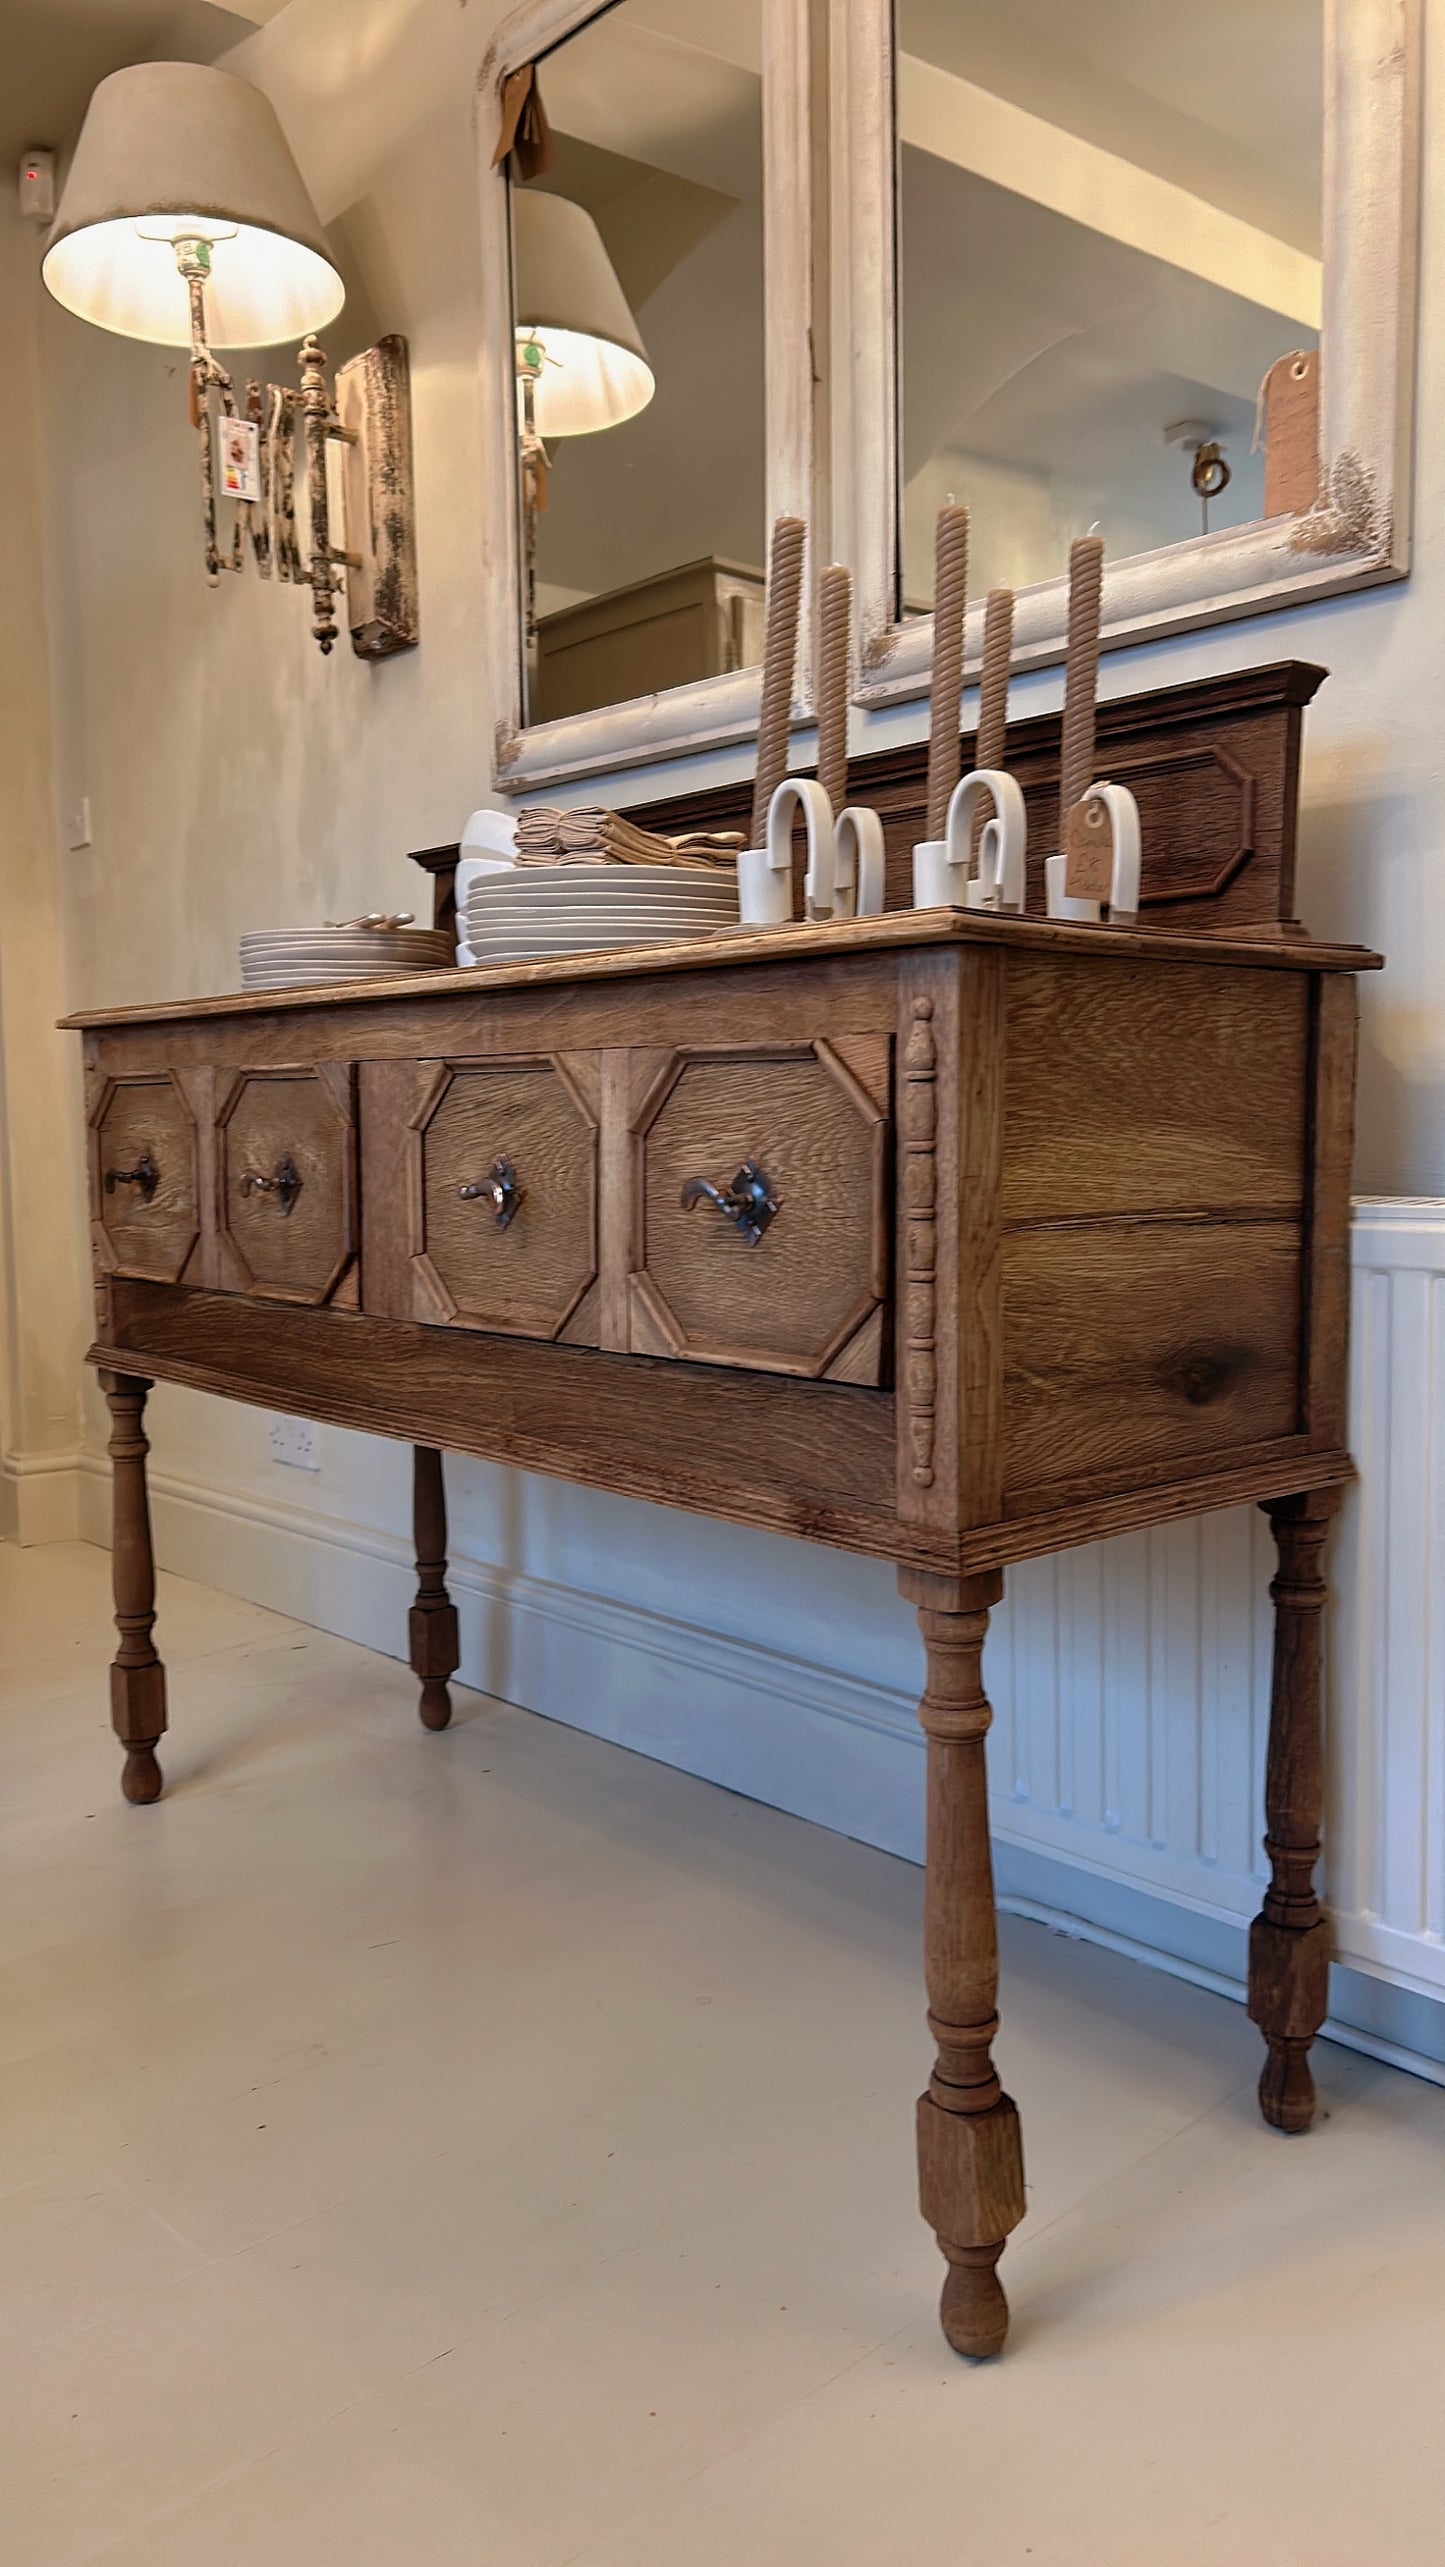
x: 601, y: 922
x: 538, y: 948
x: 543, y: 879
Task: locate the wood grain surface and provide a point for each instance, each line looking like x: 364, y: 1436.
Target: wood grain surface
x: 528, y: 1277
x: 812, y: 1458
x: 793, y: 1299
x: 135, y: 1120
x: 267, y: 1116
x: 797, y: 943
x: 1132, y: 1089
x: 1138, y: 1342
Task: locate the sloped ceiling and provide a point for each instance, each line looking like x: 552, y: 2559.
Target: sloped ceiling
x: 52, y: 53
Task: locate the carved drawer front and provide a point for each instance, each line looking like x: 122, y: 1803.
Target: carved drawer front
x: 286, y: 1182
x: 760, y: 1210
x: 144, y: 1192
x: 504, y: 1196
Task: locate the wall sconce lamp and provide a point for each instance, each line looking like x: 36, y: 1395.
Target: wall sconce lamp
x: 185, y: 221
x: 581, y: 364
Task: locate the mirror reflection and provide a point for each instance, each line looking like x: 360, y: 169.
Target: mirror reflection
x: 638, y: 301
x: 1109, y: 233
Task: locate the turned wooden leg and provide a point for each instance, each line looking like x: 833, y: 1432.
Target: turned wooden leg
x: 434, y: 1648
x: 137, y: 1678
x: 970, y: 2149
x: 1289, y: 1941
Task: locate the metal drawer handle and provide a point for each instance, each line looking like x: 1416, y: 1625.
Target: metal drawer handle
x: 145, y: 1174
x: 749, y: 1203
x: 500, y: 1189
x: 285, y: 1184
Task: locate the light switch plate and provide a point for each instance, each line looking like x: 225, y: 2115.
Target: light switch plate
x: 77, y: 832
x: 294, y: 1441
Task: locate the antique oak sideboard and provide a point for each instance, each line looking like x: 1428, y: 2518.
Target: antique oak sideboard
x: 945, y: 1238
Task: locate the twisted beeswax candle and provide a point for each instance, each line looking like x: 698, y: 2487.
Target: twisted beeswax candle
x: 835, y: 595
x: 950, y: 599
x: 998, y: 643
x: 780, y: 650
x: 1081, y: 674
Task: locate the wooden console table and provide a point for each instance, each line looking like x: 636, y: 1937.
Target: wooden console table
x: 947, y: 1239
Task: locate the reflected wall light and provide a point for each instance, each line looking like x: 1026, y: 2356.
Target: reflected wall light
x: 581, y: 363
x: 185, y: 221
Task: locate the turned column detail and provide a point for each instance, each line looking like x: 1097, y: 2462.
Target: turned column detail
x: 970, y: 2150
x: 435, y: 1650
x: 1289, y: 1941
x: 137, y: 1677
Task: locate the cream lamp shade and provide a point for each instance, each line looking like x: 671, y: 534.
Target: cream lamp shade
x: 569, y: 304
x: 181, y: 151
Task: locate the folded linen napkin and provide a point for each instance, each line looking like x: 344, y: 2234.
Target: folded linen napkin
x: 593, y: 836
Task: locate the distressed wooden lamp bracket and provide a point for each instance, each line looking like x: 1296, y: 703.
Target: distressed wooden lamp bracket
x: 370, y: 419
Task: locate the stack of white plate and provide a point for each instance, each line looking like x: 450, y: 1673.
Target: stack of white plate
x: 315, y: 957
x: 535, y: 911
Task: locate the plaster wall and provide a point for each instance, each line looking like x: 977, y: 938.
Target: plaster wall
x: 42, y: 1292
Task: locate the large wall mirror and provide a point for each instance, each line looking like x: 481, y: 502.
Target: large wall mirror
x: 661, y: 410
x: 1106, y: 241
x: 1072, y: 240
x: 1064, y: 243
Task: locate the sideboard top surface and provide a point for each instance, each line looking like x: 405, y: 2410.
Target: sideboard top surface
x: 790, y: 944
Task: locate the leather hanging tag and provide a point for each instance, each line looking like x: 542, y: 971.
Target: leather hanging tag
x: 1290, y: 427
x: 525, y: 130
x: 1089, y: 850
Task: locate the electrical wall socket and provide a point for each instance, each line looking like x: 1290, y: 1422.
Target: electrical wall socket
x: 294, y: 1441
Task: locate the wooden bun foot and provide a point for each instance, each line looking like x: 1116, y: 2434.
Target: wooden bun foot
x: 973, y: 2310
x: 435, y: 1707
x: 141, y: 1780
x: 1286, y: 2088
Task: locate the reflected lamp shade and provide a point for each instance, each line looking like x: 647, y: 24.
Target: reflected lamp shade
x: 569, y: 303
x: 175, y: 150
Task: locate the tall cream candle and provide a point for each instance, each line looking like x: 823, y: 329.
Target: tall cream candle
x: 780, y: 651
x: 950, y: 602
x: 1081, y: 674
x: 835, y: 598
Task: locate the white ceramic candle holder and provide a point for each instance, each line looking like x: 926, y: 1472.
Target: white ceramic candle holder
x: 765, y: 874
x: 858, y: 863
x: 942, y: 878
x: 1123, y: 817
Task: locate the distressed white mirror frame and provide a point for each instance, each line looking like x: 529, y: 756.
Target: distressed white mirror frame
x: 1357, y: 534
x: 712, y: 712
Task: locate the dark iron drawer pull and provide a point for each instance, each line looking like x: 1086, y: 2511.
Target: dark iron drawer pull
x: 145, y: 1175
x: 500, y: 1189
x: 285, y: 1184
x: 749, y: 1203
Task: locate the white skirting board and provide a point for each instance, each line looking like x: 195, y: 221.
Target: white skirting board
x: 1130, y: 1679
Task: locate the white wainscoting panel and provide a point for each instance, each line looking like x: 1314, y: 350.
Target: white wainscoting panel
x: 1130, y: 1679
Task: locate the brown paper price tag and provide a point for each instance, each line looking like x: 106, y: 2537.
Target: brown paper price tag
x: 1290, y: 398
x: 1089, y: 850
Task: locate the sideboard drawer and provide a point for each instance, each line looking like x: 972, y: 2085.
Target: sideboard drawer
x: 286, y: 1180
x: 761, y: 1221
x: 144, y: 1189
x: 503, y: 1206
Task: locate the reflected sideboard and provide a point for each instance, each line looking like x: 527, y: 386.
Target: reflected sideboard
x: 944, y: 1238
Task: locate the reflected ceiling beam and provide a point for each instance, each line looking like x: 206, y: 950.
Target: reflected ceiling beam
x: 954, y: 120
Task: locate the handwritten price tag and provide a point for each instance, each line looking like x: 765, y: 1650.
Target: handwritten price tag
x: 1089, y: 850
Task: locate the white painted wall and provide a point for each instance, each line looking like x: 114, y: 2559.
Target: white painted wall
x: 236, y: 779
x: 43, y: 1295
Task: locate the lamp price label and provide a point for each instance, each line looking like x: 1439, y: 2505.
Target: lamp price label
x: 240, y: 442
